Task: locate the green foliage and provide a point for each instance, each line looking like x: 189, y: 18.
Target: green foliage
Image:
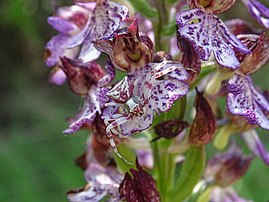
x: 190, y: 173
x: 144, y: 8
x: 129, y: 155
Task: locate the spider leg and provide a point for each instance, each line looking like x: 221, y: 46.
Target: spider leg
x: 115, y: 124
x: 165, y: 71
x: 115, y: 149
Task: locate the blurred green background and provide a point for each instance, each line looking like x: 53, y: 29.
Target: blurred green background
x: 36, y: 159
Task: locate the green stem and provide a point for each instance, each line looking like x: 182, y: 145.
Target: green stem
x: 155, y: 149
x: 160, y: 42
x: 163, y: 171
x: 171, y: 173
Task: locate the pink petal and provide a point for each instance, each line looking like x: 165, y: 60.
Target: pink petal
x: 55, y: 49
x: 57, y: 76
x: 61, y: 25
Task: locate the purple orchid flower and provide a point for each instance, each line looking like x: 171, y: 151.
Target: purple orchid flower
x: 243, y: 99
x: 68, y: 21
x: 223, y: 170
x: 80, y: 25
x: 105, y: 20
x: 226, y: 195
x: 94, y: 102
x: 141, y: 93
x: 207, y: 33
x: 258, y: 11
x: 109, y: 182
x: 128, y: 49
x: 102, y: 181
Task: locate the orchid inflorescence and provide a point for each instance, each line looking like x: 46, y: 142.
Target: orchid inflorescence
x: 138, y: 65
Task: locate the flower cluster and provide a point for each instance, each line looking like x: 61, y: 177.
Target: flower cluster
x: 122, y: 59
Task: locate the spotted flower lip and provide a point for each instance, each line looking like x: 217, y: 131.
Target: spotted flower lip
x: 244, y: 100
x: 207, y: 33
x: 105, y: 20
x: 258, y: 11
x: 214, y: 6
x: 143, y: 93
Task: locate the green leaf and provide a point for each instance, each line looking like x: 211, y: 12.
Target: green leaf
x: 144, y: 8
x: 129, y: 155
x: 190, y: 173
x: 171, y: 1
x: 169, y: 29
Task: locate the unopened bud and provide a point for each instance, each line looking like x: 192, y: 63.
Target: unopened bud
x: 204, y: 124
x: 225, y: 168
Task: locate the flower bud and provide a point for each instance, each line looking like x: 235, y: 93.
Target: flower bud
x: 128, y: 49
x: 204, y: 124
x: 238, y: 26
x: 57, y: 76
x: 214, y: 6
x: 80, y: 77
x: 225, y: 168
x: 170, y: 129
x: 139, y: 187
